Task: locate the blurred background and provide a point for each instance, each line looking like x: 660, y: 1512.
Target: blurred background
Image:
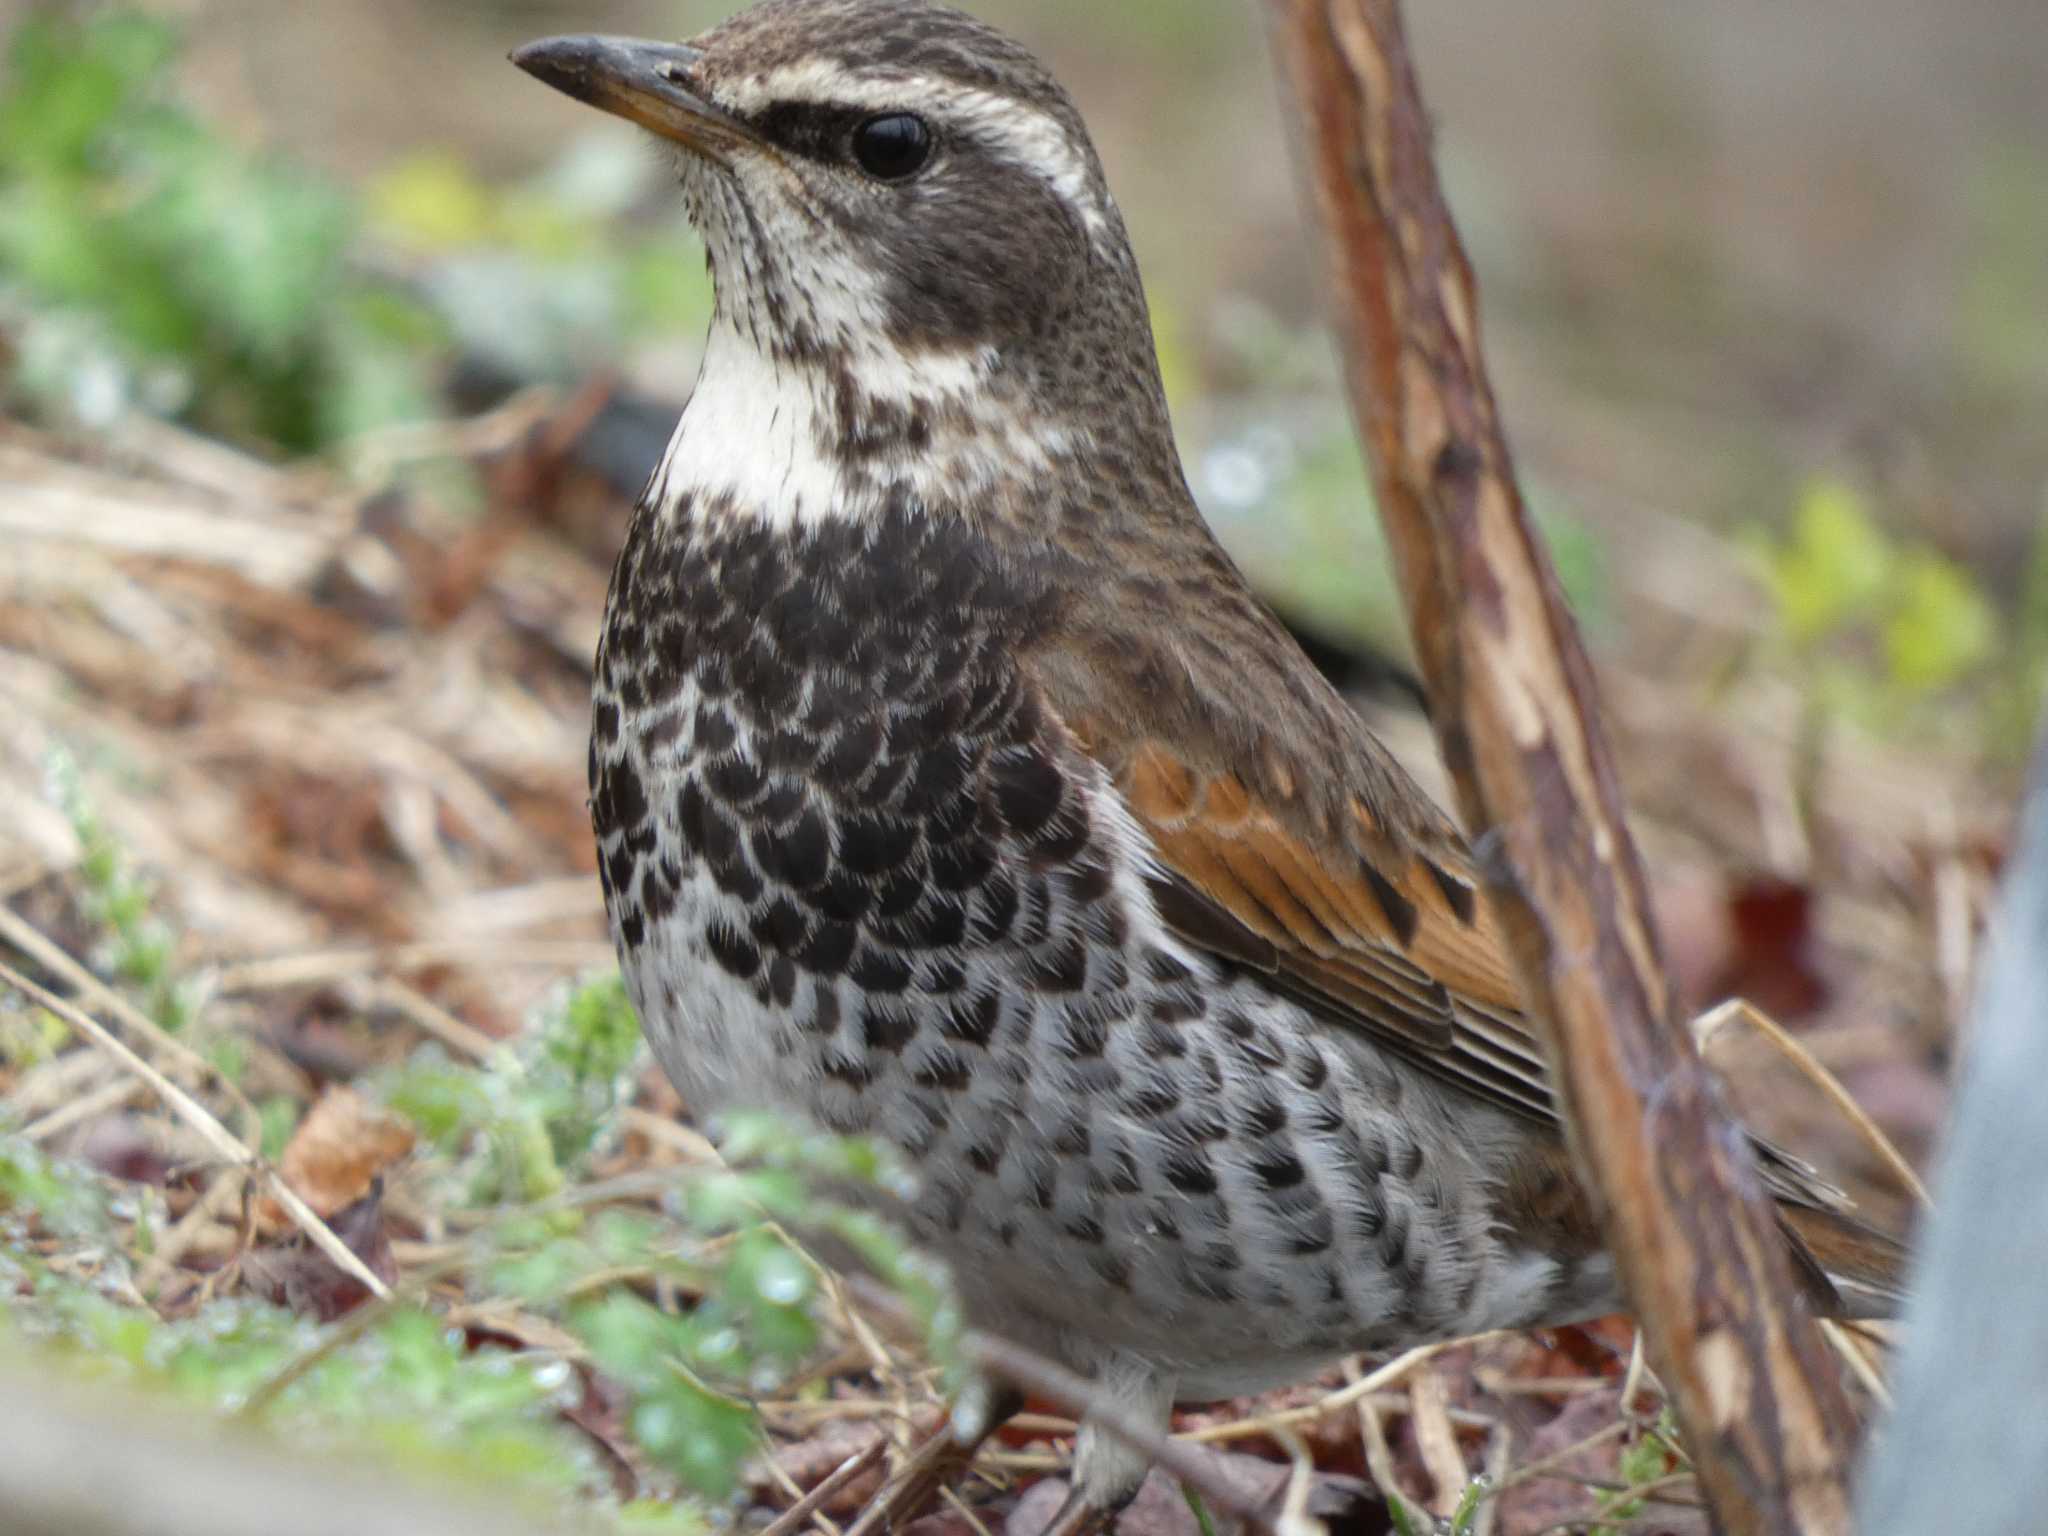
x: 333, y: 351
x: 1721, y: 254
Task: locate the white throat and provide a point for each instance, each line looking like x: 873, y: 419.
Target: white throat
x: 751, y: 434
x: 773, y: 440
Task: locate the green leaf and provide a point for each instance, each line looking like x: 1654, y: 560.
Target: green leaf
x: 204, y: 277
x: 432, y: 202
x: 1942, y: 627
x: 652, y: 1517
x: 1837, y: 566
x: 279, y: 1115
x: 442, y: 1100
x: 61, y: 1195
x: 68, y: 81
x: 598, y: 1037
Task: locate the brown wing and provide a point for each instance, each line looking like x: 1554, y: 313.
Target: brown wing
x: 1289, y: 840
x: 1366, y: 931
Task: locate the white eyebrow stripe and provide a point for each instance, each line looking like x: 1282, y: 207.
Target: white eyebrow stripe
x: 1021, y: 134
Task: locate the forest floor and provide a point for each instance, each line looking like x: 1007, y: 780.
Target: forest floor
x: 292, y: 779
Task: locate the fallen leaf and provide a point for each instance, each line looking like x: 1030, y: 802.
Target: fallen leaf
x: 296, y: 1275
x: 338, y: 1152
x: 1772, y: 961
x: 126, y: 1147
x: 600, y: 1412
x: 1559, y: 1496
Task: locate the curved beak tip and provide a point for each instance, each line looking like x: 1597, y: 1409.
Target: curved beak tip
x: 640, y: 81
x: 557, y: 61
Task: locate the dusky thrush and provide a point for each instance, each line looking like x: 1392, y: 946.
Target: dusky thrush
x: 951, y: 786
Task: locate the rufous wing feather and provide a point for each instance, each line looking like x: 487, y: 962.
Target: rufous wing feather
x: 1396, y: 940
x: 1373, y: 933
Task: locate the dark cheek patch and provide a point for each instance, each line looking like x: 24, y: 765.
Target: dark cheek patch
x: 980, y: 251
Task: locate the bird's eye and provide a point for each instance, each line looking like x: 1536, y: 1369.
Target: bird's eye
x: 892, y: 146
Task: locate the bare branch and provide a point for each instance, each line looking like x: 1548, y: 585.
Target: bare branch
x: 1515, y: 713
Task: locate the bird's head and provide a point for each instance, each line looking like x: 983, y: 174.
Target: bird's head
x: 902, y: 207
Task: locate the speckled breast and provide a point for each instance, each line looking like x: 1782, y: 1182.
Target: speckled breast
x: 856, y: 871
x: 810, y: 751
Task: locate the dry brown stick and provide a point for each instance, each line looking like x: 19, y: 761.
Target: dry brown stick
x: 45, y: 952
x: 1810, y: 1066
x: 792, y: 1519
x: 1514, y: 708
x: 200, y: 1119
x: 331, y: 965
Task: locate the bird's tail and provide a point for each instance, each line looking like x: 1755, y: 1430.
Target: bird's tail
x: 1855, y: 1272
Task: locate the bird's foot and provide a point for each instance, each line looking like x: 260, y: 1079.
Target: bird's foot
x: 1079, y: 1515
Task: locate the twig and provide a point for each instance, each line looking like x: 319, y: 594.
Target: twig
x: 1354, y: 1390
x: 1294, y: 1518
x: 37, y: 945
x: 692, y: 1145
x: 792, y: 1518
x: 58, y: 1082
x: 1710, y: 1023
x: 1500, y: 1448
x: 1256, y: 1425
x: 1514, y: 707
x: 1379, y: 1456
x: 177, y: 1242
x: 437, y: 1021
x: 1437, y: 1440
x: 960, y: 1507
x: 1053, y: 1382
x: 103, y: 1099
x: 1529, y: 1471
x: 210, y: 1130
x: 779, y: 1474
x: 334, y: 964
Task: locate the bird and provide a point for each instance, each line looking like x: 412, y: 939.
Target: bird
x: 952, y: 787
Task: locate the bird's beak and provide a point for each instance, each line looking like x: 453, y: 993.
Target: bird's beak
x: 645, y: 83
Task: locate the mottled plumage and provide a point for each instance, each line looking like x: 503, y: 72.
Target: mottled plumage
x: 950, y: 784
x: 858, y: 865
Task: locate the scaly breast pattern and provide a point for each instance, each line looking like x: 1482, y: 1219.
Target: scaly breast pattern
x: 856, y: 872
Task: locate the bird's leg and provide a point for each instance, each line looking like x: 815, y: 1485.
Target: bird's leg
x: 1109, y: 1470
x: 976, y: 1414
